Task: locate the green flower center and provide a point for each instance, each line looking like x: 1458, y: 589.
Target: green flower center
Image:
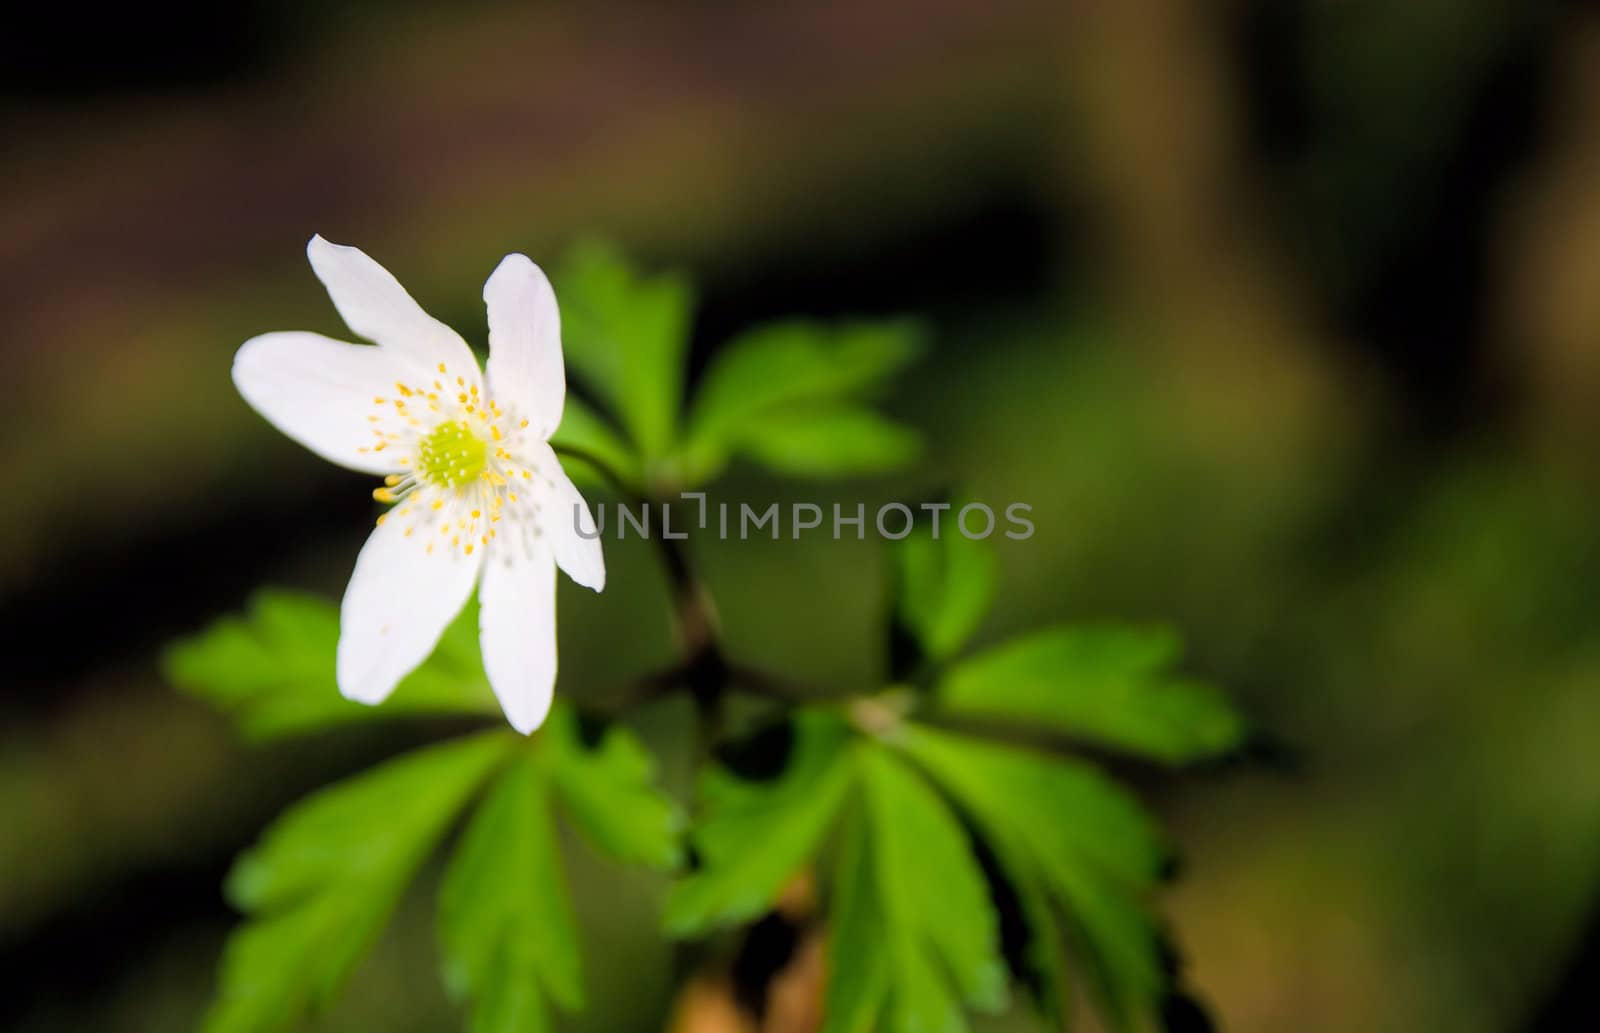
x: 452, y: 455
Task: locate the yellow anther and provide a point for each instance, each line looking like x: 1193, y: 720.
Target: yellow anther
x: 441, y: 367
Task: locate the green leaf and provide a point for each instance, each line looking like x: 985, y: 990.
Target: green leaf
x: 505, y: 922
x: 921, y: 856
x: 626, y: 335
x: 944, y: 586
x: 326, y: 876
x: 1062, y: 832
x: 913, y: 934
x: 506, y: 927
x: 1044, y: 957
x: 795, y: 368
x: 273, y: 669
x: 858, y: 972
x: 585, y: 433
x: 610, y: 793
x: 1114, y: 937
x: 753, y: 837
x: 1034, y: 791
x: 832, y: 441
x: 1107, y: 684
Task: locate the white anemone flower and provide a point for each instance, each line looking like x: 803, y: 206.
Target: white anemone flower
x: 479, y: 497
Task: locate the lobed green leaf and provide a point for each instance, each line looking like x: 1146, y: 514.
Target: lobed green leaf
x: 858, y: 971
x: 944, y: 954
x: 610, y: 793
x: 627, y: 336
x: 506, y: 926
x: 829, y: 441
x: 944, y: 587
x: 779, y: 393
x: 753, y: 837
x: 1064, y: 834
x: 327, y: 874
x: 272, y: 669
x: 913, y: 936
x: 1107, y: 684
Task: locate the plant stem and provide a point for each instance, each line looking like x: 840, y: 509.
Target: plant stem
x: 702, y: 666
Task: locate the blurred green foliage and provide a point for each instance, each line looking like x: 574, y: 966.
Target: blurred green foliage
x: 943, y: 590
x: 505, y: 921
x: 786, y: 395
x: 1077, y: 851
x: 269, y: 668
x: 507, y: 936
x: 1106, y: 684
x: 326, y: 876
x: 914, y: 912
x: 752, y: 838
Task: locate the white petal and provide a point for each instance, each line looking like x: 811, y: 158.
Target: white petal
x: 573, y: 537
x: 517, y: 631
x: 564, y: 520
x: 375, y: 306
x: 525, y: 367
x: 321, y: 392
x: 400, y: 600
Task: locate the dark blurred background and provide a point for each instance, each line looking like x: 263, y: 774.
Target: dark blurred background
x: 1283, y: 314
